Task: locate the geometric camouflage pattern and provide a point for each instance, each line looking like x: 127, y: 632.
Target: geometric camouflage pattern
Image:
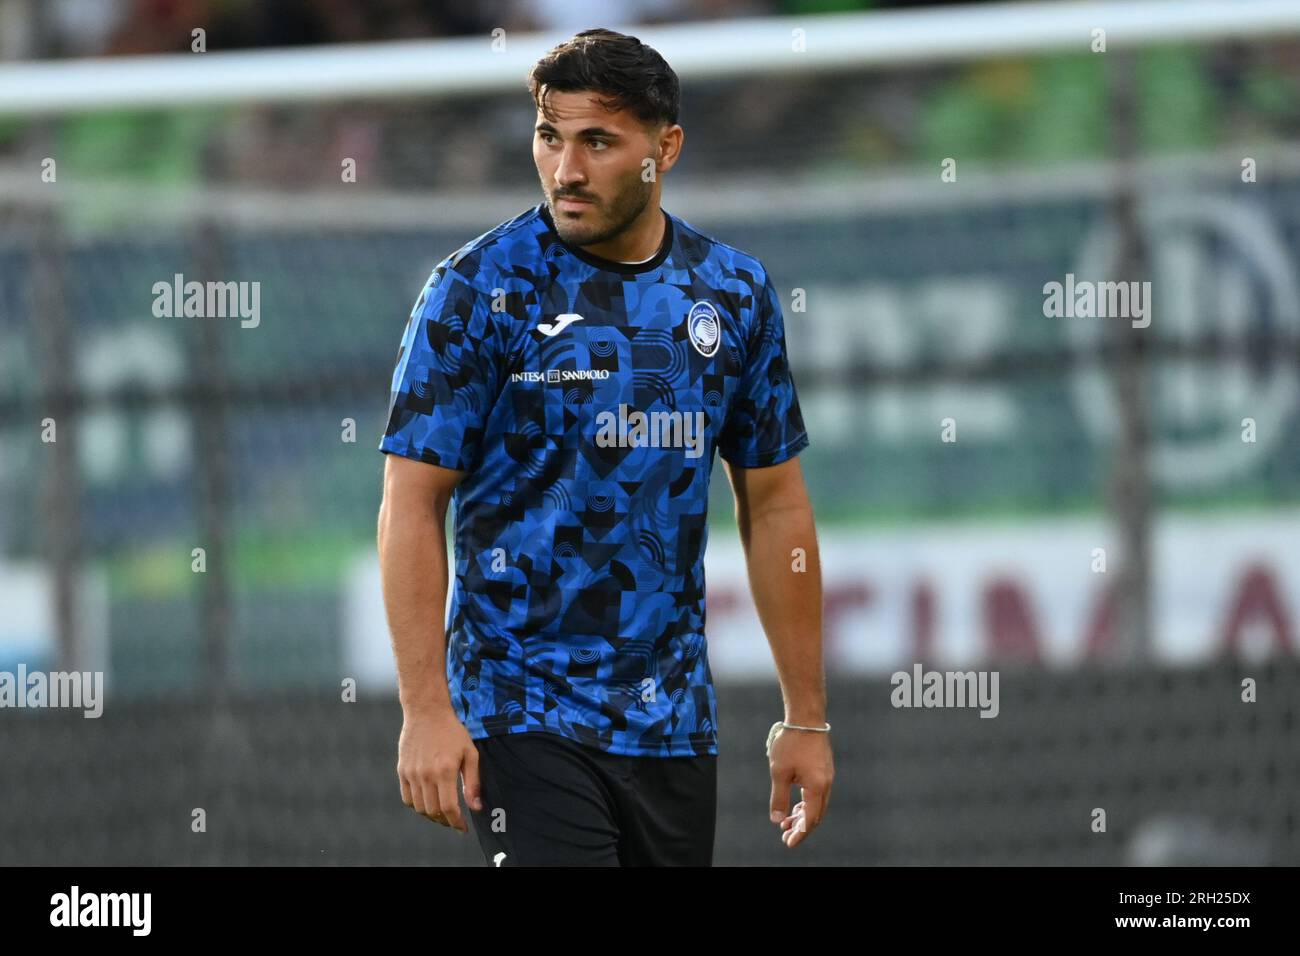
x: 580, y: 526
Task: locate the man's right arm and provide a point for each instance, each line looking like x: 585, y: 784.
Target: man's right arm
x: 445, y: 382
x: 434, y: 748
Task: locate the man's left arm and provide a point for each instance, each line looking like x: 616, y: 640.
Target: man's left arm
x: 779, y: 537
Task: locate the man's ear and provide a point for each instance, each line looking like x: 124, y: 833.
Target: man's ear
x: 665, y: 130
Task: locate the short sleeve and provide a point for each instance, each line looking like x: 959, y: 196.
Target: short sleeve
x: 765, y: 426
x: 447, y: 376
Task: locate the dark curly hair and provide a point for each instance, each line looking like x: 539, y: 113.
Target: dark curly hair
x: 623, y: 71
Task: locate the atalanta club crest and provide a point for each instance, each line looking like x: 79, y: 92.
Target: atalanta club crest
x: 705, y: 328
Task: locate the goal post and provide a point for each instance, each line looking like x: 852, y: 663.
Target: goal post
x: 771, y: 46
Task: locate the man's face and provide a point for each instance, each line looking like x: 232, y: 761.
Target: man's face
x: 586, y: 152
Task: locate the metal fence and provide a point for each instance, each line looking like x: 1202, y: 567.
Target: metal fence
x: 1186, y: 773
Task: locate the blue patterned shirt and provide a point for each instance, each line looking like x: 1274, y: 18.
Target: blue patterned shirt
x: 584, y: 399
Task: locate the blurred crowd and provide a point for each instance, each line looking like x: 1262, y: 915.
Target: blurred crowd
x: 1031, y: 110
x: 43, y: 28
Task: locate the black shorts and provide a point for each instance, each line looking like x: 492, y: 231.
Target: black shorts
x: 551, y: 801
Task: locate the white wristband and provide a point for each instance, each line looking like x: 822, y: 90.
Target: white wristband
x: 781, y: 725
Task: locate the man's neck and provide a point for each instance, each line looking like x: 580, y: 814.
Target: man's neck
x: 639, y: 238
x: 637, y: 262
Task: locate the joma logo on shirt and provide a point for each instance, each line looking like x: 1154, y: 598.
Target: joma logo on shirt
x: 554, y: 328
x: 636, y: 429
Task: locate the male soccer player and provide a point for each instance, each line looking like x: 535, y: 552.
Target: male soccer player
x: 565, y: 379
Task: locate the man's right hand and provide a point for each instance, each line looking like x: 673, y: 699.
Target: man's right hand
x: 434, y: 749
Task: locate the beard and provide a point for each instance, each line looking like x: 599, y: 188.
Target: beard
x: 600, y: 222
